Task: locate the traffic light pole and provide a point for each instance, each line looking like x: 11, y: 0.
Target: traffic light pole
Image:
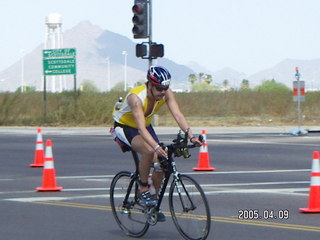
x: 150, y: 32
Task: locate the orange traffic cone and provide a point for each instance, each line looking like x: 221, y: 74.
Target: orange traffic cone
x: 314, y: 193
x: 49, y: 174
x: 39, y: 153
x: 203, y: 159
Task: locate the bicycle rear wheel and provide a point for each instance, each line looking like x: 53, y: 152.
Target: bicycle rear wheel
x: 189, y: 208
x: 125, y: 208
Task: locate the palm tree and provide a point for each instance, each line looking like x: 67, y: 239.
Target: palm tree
x: 208, y: 78
x: 225, y: 83
x: 244, y: 84
x: 192, y: 78
x: 201, y: 75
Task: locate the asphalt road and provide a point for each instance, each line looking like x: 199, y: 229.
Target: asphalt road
x: 265, y: 173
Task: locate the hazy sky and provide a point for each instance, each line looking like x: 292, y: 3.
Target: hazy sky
x: 246, y: 35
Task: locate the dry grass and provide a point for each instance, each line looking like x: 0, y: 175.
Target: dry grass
x: 234, y: 108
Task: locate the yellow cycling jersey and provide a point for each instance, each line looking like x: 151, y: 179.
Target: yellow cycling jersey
x: 124, y: 114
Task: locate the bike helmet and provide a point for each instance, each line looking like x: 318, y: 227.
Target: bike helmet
x: 159, y: 76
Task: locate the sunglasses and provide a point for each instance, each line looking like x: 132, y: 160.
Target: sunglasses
x: 161, y: 88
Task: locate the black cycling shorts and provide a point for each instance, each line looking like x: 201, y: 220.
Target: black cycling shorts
x: 131, y: 132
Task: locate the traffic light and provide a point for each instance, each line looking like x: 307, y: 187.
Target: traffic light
x: 156, y: 50
x: 140, y: 19
x: 141, y: 50
x: 153, y: 51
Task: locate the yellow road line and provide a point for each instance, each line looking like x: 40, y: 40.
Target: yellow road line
x: 215, y: 219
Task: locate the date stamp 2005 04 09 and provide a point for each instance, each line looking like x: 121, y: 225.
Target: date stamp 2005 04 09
x: 255, y: 214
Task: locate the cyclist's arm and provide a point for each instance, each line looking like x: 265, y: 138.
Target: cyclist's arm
x: 178, y: 116
x: 137, y: 111
x: 175, y: 111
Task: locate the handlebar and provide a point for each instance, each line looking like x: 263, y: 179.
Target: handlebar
x: 180, y: 145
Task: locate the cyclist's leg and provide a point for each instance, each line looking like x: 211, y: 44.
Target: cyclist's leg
x: 132, y: 138
x: 157, y: 175
x: 147, y: 155
x: 156, y: 179
x: 146, y: 159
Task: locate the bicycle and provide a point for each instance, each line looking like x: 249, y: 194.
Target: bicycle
x: 188, y: 204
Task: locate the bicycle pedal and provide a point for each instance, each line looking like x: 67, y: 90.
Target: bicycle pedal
x: 125, y: 211
x: 152, y: 216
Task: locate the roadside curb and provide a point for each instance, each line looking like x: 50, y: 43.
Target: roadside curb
x: 159, y: 130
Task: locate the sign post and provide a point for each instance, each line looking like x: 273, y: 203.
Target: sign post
x: 60, y: 61
x: 298, y: 96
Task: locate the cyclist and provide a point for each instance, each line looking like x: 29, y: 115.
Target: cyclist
x: 133, y: 126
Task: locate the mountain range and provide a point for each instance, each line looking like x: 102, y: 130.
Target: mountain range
x: 282, y: 72
x: 95, y: 45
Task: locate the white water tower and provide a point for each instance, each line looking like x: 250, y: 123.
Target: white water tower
x: 54, y: 40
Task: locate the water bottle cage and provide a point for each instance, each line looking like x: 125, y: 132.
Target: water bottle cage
x: 164, y: 163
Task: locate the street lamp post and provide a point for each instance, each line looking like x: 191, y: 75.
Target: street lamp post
x: 125, y: 53
x: 22, y: 51
x: 108, y: 65
x: 2, y: 80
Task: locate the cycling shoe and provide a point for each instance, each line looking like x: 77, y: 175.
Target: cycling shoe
x: 161, y: 217
x: 145, y: 197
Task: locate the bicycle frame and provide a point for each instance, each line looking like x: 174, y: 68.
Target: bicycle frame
x: 135, y: 175
x: 171, y: 171
x: 176, y: 175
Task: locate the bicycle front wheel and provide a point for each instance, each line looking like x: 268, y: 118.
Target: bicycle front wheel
x: 189, y: 208
x: 125, y: 208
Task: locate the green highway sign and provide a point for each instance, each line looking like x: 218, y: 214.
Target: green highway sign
x: 59, y: 66
x: 59, y: 61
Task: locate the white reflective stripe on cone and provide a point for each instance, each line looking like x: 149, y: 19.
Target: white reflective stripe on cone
x: 48, y: 165
x: 316, y: 166
x: 315, y: 181
x: 39, y: 137
x: 204, y: 149
x: 39, y: 146
x: 48, y: 152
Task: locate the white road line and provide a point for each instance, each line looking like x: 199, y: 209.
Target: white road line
x: 203, y: 185
x: 290, y: 191
x: 251, y: 172
x: 87, y: 177
x: 64, y: 190
x: 85, y: 189
x: 199, y: 173
x: 252, y: 184
x: 235, y: 186
x: 234, y: 190
x: 39, y: 199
